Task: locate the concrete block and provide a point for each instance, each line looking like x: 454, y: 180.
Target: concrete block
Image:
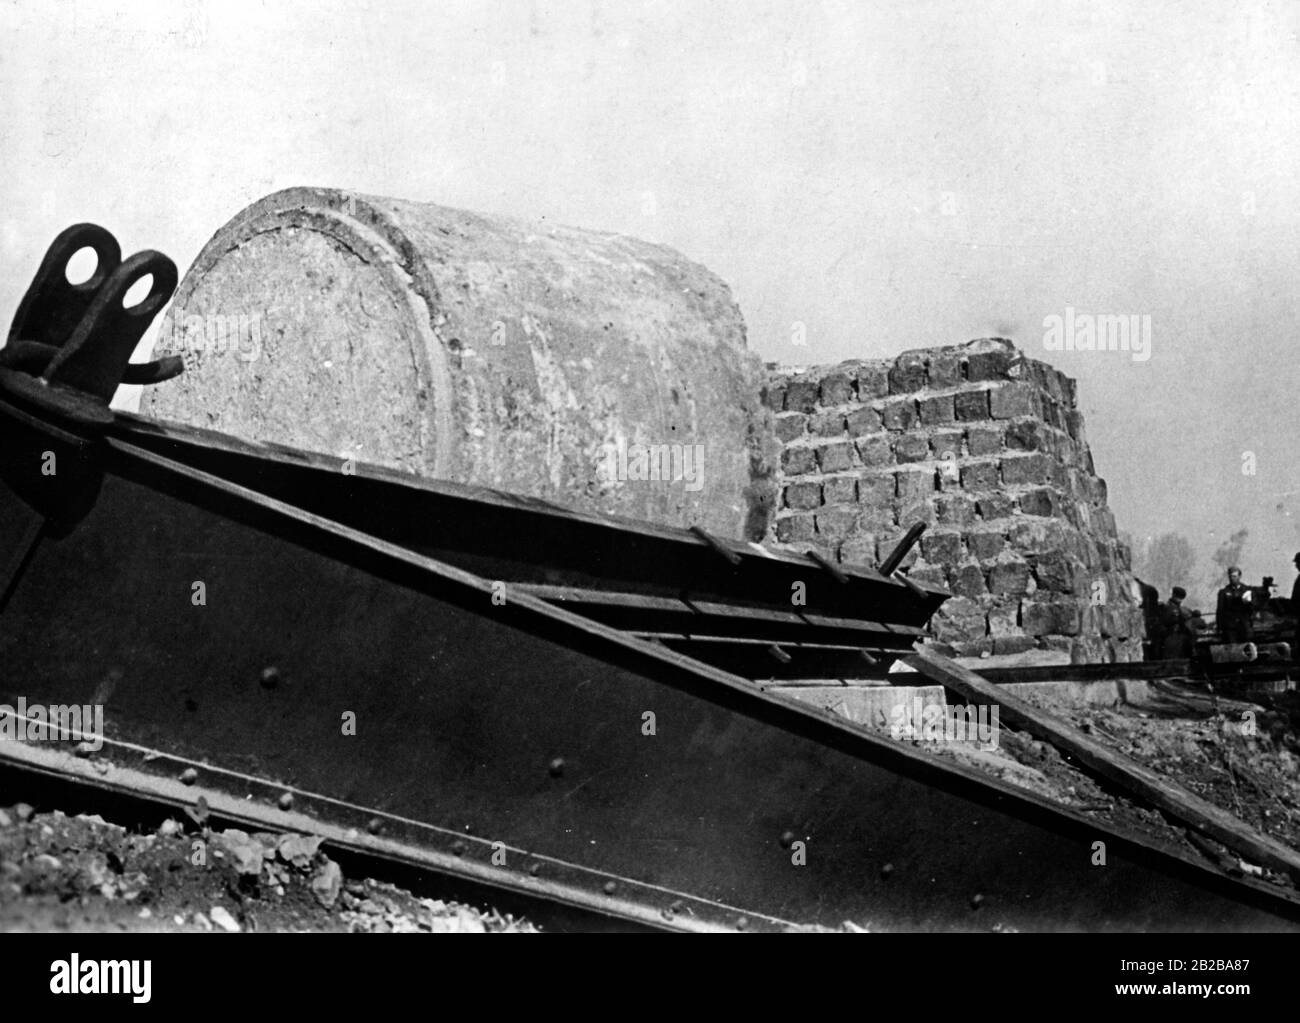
x: 899, y: 415
x: 873, y: 381
x: 876, y: 450
x: 801, y: 396
x: 791, y: 426
x: 796, y: 461
x: 803, y: 496
x: 1013, y: 399
x: 794, y: 528
x: 912, y: 447
x: 936, y: 410
x: 840, y: 489
x: 835, y: 457
x: 970, y: 406
x: 836, y: 388
x: 862, y: 421
x: 984, y: 440
x: 908, y: 374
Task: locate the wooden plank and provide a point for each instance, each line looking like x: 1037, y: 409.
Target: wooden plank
x: 1111, y: 765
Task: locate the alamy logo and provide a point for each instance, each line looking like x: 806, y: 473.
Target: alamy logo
x: 1084, y: 332
x: 239, y: 334
x: 668, y: 463
x: 37, y: 723
x: 102, y: 977
x: 938, y: 722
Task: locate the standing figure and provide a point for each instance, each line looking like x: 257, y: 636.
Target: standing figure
x: 1235, y: 609
x: 1178, y: 627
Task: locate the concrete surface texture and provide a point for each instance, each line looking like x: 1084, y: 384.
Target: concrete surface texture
x: 592, y: 370
x: 985, y: 446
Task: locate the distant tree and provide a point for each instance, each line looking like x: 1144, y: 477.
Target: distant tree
x: 1166, y: 562
x: 1228, y: 554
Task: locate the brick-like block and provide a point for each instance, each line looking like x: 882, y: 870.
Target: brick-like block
x: 1028, y: 435
x: 1011, y: 400
x: 835, y: 457
x: 1004, y: 619
x: 976, y: 476
x: 773, y: 395
x: 908, y: 374
x: 912, y: 512
x: 914, y: 484
x: 970, y: 406
x: 801, y: 396
x: 836, y: 389
x: 1050, y: 617
x: 1041, y: 501
x: 988, y: 365
x: 1013, y: 644
x: 944, y: 370
x: 946, y: 443
x: 836, y: 524
x: 985, y: 544
x: 959, y: 619
x: 936, y: 410
x: 873, y: 381
x: 912, y: 447
x: 859, y: 549
x: 1059, y: 572
x: 984, y: 440
x: 826, y: 423
x: 1023, y: 469
x: 791, y: 426
x: 876, y: 490
x: 862, y: 421
x: 993, y: 506
x: 794, y: 528
x: 899, y: 415
x: 1009, y: 576
x: 941, y: 548
x: 1038, y: 536
x: 802, y: 496
x: 876, y: 450
x: 967, y: 580
x: 797, y: 461
x: 955, y: 510
x: 840, y: 490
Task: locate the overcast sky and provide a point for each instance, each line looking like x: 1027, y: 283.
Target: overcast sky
x: 889, y: 174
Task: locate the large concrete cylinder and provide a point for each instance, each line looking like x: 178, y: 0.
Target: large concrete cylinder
x: 570, y: 365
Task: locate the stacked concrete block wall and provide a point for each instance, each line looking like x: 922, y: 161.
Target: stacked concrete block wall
x: 987, y: 448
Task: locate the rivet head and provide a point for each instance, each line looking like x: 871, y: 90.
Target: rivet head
x: 610, y: 887
x: 189, y: 776
x: 787, y: 839
x: 556, y: 767
x: 458, y: 848
x: 286, y: 801
x: 886, y: 870
x: 742, y: 923
x: 270, y: 677
x: 374, y: 825
x: 534, y: 869
x: 976, y: 901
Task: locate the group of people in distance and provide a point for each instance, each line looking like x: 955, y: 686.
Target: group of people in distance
x: 1172, y: 628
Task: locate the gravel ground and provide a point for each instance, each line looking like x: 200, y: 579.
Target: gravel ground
x: 81, y: 873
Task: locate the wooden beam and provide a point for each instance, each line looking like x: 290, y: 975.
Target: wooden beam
x: 1111, y: 765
